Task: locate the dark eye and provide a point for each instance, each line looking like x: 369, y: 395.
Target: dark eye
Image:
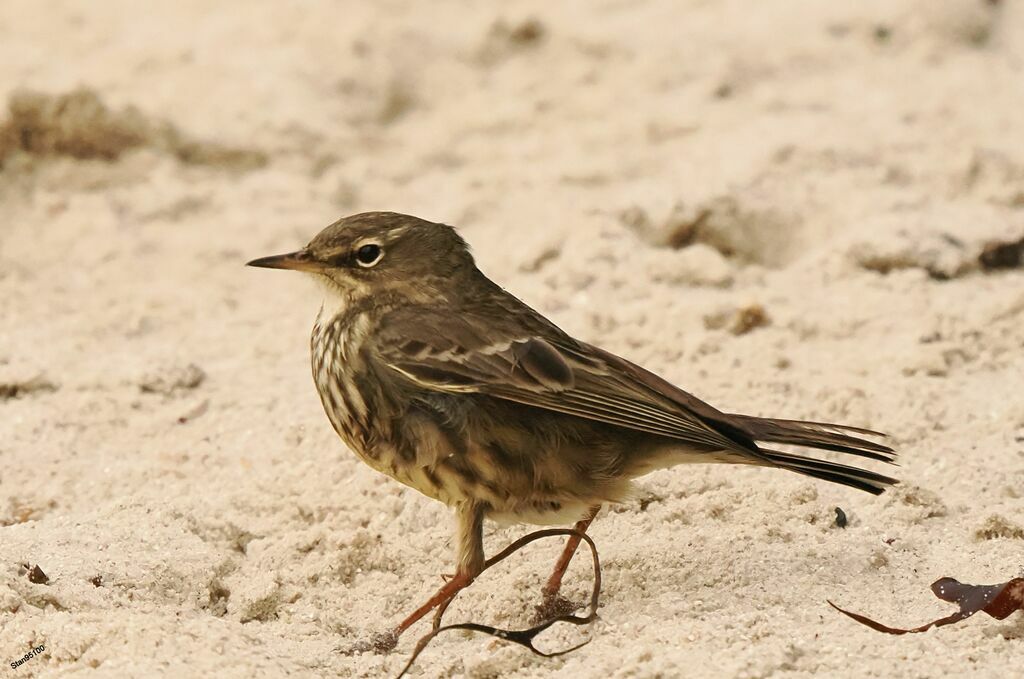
x: 369, y: 254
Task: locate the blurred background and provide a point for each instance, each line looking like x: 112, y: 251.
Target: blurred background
x: 793, y: 208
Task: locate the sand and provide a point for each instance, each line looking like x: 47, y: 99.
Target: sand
x: 782, y: 207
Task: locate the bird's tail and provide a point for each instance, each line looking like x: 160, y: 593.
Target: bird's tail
x: 822, y: 436
x: 832, y: 471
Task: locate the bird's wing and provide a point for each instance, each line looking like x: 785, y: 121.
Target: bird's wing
x: 519, y: 356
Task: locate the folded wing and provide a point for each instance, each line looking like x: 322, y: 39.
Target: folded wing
x: 520, y: 356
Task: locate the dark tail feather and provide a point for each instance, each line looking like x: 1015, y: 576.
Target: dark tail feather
x: 822, y: 436
x: 814, y: 435
x: 831, y: 471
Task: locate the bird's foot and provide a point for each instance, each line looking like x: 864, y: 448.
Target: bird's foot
x: 553, y: 606
x: 379, y: 643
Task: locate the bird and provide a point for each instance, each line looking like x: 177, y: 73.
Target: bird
x: 436, y: 376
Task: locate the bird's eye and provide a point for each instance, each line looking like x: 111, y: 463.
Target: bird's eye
x: 369, y: 254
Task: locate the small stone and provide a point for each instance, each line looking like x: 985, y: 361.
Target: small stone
x: 36, y: 575
x: 749, y: 318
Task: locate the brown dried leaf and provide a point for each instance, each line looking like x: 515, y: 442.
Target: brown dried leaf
x: 998, y: 601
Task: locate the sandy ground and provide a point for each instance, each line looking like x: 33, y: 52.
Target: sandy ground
x: 779, y: 206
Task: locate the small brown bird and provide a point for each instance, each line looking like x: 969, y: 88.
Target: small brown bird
x: 436, y: 376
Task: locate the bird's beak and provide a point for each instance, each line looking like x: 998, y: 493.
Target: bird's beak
x: 296, y: 261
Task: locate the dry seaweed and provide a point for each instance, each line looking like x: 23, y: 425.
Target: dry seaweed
x: 1002, y: 255
x: 80, y: 125
x: 35, y: 385
x: 523, y: 637
x: 998, y: 601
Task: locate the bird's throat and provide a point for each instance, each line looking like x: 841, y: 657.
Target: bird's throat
x: 336, y: 300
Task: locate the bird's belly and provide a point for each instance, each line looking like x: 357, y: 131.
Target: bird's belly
x: 541, y: 513
x: 444, y: 481
x: 509, y: 495
x: 519, y: 477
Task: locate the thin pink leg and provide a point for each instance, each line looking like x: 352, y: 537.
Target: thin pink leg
x: 554, y: 583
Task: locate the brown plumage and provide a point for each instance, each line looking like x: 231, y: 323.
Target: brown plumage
x: 436, y: 376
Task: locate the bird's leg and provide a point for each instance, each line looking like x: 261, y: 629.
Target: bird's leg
x: 553, y: 605
x: 470, y: 564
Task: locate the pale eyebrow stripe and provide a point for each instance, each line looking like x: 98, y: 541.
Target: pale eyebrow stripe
x: 392, y: 236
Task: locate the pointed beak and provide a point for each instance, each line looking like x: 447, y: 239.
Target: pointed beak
x: 296, y: 261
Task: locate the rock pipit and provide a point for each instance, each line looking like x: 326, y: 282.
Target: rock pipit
x: 434, y: 375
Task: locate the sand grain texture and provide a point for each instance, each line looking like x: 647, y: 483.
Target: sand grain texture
x: 783, y: 207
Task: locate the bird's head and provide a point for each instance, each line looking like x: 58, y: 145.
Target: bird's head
x: 384, y: 255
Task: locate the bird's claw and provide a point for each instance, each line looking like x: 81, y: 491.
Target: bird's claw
x: 381, y: 642
x: 553, y: 607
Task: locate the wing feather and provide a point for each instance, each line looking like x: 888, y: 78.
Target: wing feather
x: 545, y: 369
x: 519, y: 356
